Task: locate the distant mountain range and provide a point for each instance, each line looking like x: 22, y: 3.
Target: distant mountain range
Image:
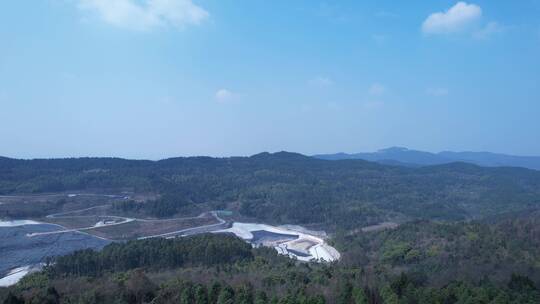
x: 414, y: 158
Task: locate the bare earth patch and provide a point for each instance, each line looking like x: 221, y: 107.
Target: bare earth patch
x: 379, y: 227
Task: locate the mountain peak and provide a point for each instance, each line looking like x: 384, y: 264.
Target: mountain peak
x: 393, y: 150
x: 279, y: 155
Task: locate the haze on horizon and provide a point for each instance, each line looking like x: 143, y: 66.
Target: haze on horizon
x: 165, y: 78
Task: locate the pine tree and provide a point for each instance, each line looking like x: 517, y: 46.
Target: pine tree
x: 201, y: 295
x: 214, y: 292
x: 389, y: 296
x: 261, y: 298
x: 359, y: 296
x: 226, y: 296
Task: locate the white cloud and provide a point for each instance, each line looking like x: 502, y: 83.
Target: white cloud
x: 377, y: 89
x: 458, y: 18
x: 321, y: 81
x: 224, y: 96
x: 145, y: 14
x: 437, y: 92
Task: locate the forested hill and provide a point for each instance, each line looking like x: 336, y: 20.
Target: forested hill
x: 290, y: 188
x: 406, y: 157
x: 419, y: 262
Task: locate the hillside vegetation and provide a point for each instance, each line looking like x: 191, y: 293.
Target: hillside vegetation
x: 289, y: 188
x: 421, y: 262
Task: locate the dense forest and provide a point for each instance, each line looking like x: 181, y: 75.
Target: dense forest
x: 418, y: 262
x: 275, y: 187
x: 442, y: 252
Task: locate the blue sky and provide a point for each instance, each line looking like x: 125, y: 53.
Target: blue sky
x: 163, y: 78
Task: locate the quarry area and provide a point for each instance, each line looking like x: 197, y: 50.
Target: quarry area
x: 298, y: 244
x: 90, y: 221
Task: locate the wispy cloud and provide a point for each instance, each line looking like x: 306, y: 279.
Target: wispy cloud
x: 386, y: 14
x: 437, y: 92
x: 377, y: 89
x: 376, y: 94
x: 487, y: 31
x: 334, y: 106
x: 379, y: 38
x: 321, y: 81
x: 372, y: 104
x: 146, y: 14
x: 458, y: 18
x: 224, y: 96
x: 332, y: 12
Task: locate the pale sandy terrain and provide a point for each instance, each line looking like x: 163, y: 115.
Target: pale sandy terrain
x: 306, y: 247
x: 16, y: 223
x: 14, y: 276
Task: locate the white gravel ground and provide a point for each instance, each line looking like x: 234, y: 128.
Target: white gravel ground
x: 16, y: 223
x: 14, y: 276
x: 321, y: 252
